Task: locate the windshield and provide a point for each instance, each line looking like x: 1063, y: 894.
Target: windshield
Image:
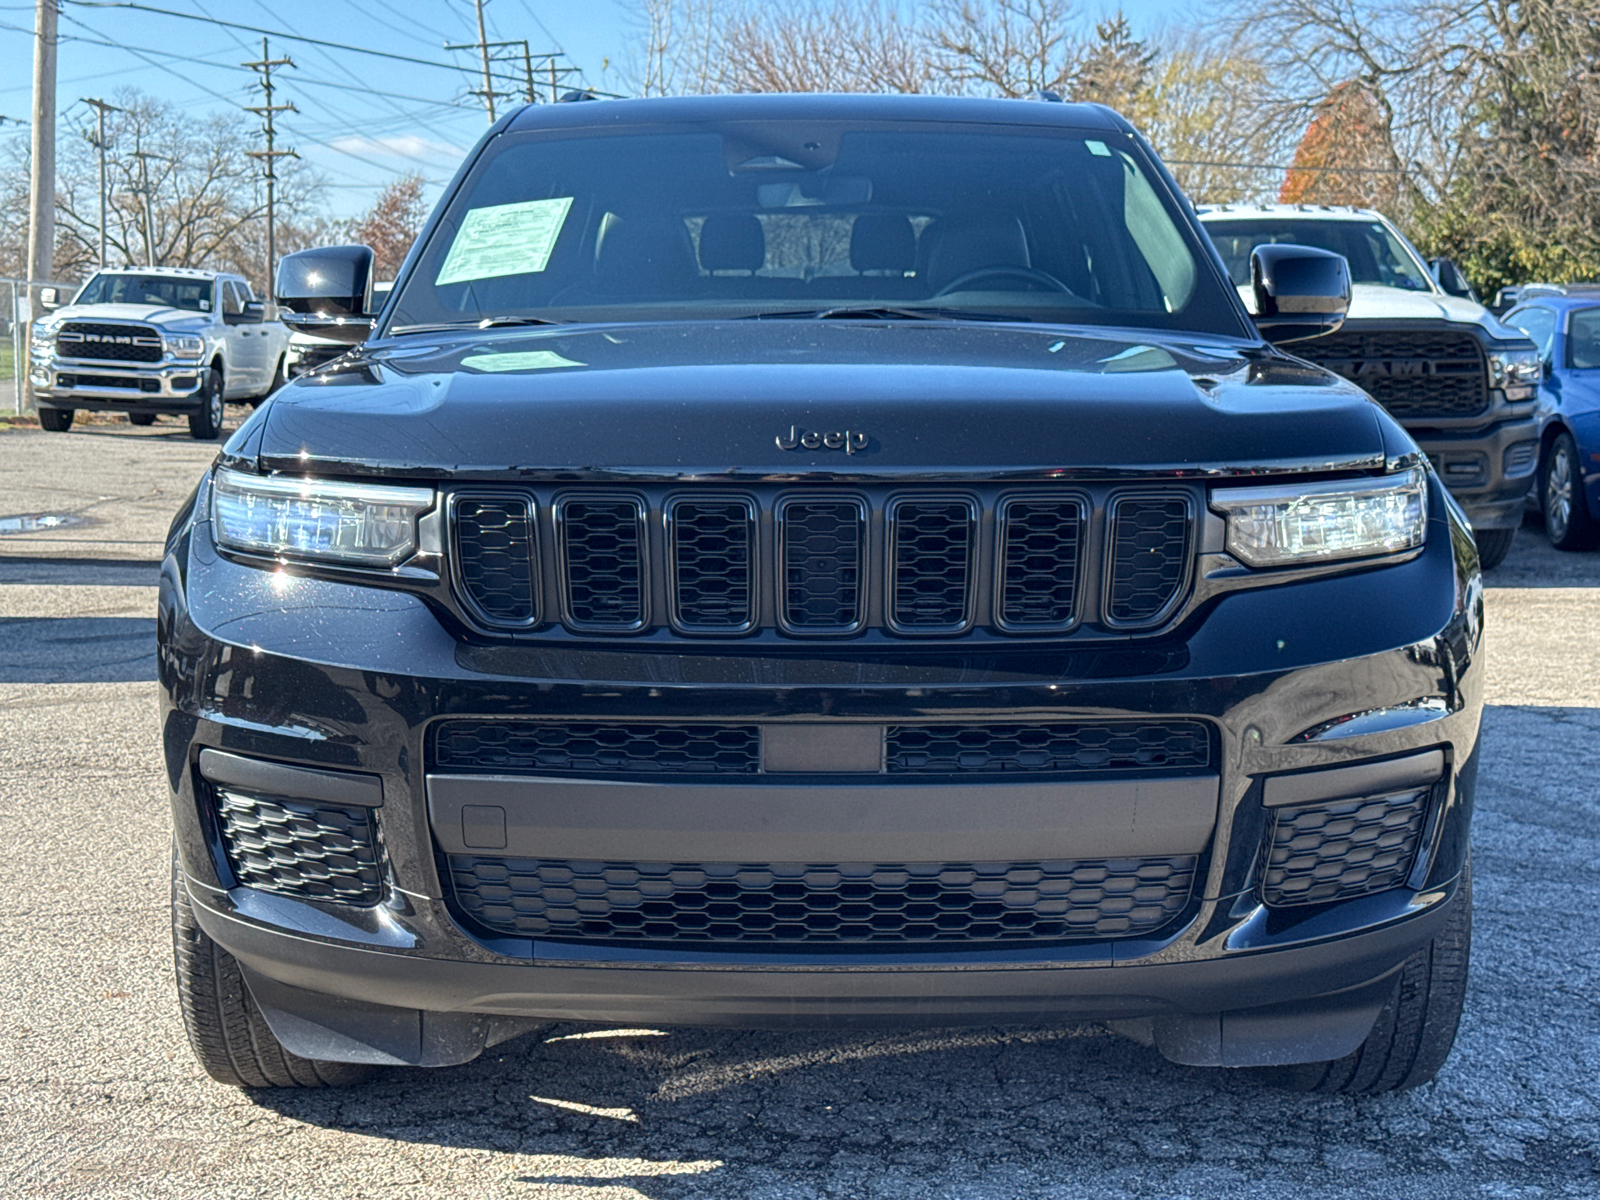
x: 169, y: 290
x: 793, y: 217
x: 1374, y: 253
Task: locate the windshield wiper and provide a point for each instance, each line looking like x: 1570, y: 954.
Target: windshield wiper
x: 486, y: 323
x: 882, y: 313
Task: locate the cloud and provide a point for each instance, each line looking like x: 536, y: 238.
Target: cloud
x: 404, y: 145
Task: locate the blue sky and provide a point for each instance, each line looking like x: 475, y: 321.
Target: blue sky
x: 363, y: 119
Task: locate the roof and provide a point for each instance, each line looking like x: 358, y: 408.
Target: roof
x: 819, y: 106
x: 1299, y: 212
x: 176, y: 272
x: 1556, y: 295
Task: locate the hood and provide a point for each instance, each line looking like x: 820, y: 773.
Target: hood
x: 737, y: 400
x: 1374, y: 302
x: 153, y: 314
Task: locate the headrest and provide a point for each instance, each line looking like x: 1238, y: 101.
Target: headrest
x: 883, y: 242
x: 732, y: 242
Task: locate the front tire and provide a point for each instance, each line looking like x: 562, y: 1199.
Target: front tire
x: 206, y: 425
x: 1567, y: 522
x: 229, y: 1035
x: 56, y: 420
x: 1417, y: 1027
x: 1493, y: 546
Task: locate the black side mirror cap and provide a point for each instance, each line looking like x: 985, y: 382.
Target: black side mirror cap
x: 1448, y: 276
x: 327, y: 292
x: 1300, y: 292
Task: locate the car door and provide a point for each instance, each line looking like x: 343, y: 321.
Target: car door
x: 247, y: 346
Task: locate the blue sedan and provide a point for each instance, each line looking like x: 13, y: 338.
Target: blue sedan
x: 1565, y: 323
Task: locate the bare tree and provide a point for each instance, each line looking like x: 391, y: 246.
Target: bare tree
x: 392, y: 224
x: 679, y: 47
x: 1205, y: 116
x: 843, y: 46
x: 1004, y: 47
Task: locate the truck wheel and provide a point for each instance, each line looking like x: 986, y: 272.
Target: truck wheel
x: 1493, y: 546
x: 226, y: 1030
x: 1417, y: 1027
x: 56, y: 420
x: 141, y: 418
x: 206, y: 425
x: 1567, y: 522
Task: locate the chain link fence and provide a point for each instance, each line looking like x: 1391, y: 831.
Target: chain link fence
x: 19, y: 297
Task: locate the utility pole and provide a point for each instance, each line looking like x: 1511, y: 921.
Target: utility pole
x: 144, y: 191
x: 99, y: 142
x: 42, y: 181
x: 483, y: 46
x: 271, y: 154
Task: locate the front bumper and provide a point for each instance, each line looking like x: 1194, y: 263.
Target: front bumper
x: 1318, y: 674
x: 1488, y: 471
x: 118, y: 387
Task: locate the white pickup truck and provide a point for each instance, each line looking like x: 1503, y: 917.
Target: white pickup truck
x: 148, y: 340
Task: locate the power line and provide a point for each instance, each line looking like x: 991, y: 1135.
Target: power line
x: 271, y: 154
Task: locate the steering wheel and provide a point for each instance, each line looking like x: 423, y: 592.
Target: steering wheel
x: 1032, y: 275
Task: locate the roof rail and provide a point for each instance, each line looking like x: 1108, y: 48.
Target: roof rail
x: 576, y: 96
x: 1048, y: 97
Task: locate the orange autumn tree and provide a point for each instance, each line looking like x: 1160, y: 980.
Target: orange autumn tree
x: 1346, y: 156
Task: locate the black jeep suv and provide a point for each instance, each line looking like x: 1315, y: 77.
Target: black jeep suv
x: 820, y: 561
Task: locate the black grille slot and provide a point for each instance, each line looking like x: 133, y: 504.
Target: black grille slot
x: 1321, y: 852
x: 1074, y: 746
x: 1412, y: 373
x: 713, y: 555
x: 495, y: 556
x: 113, y: 343
x: 821, y: 562
x: 930, y: 564
x: 1150, y: 539
x: 602, y: 550
x: 1041, y: 543
x: 591, y: 748
x: 312, y: 850
x: 822, y: 906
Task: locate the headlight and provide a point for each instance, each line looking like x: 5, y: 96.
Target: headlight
x: 184, y: 345
x: 42, y: 339
x: 368, y: 525
x: 1323, y: 522
x: 1515, y: 368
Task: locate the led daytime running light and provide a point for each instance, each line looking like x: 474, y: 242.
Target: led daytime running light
x: 1324, y: 522
x: 354, y: 523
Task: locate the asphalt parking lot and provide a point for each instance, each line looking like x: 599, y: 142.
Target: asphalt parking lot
x: 101, y: 1097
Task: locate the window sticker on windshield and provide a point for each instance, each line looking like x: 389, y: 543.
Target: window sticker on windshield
x: 1099, y: 149
x: 519, y: 360
x: 505, y: 239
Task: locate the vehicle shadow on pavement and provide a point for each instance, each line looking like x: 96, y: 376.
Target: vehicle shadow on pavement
x: 77, y: 572
x: 77, y: 649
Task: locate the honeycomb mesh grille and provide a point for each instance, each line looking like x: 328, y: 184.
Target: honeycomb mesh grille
x: 822, y: 552
x: 1324, y: 852
x: 1003, y: 749
x: 596, y: 748
x: 822, y: 905
x: 712, y: 557
x: 1412, y: 373
x: 1041, y: 543
x: 495, y: 552
x: 932, y: 559
x: 1149, y: 557
x: 312, y: 850
x: 604, y: 562
x: 110, y: 343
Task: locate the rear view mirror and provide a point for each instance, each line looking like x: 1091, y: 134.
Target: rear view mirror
x: 1300, y: 292
x: 327, y: 292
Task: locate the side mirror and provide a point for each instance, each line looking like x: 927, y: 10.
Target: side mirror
x: 327, y: 292
x: 1300, y: 292
x: 49, y: 298
x: 1448, y: 276
x: 253, y: 313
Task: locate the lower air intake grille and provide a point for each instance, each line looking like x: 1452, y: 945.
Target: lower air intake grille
x: 602, y: 548
x: 596, y: 749
x: 495, y: 551
x: 1322, y: 852
x: 822, y: 905
x: 1040, y: 544
x: 822, y: 553
x: 998, y: 749
x: 1149, y: 557
x: 312, y: 850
